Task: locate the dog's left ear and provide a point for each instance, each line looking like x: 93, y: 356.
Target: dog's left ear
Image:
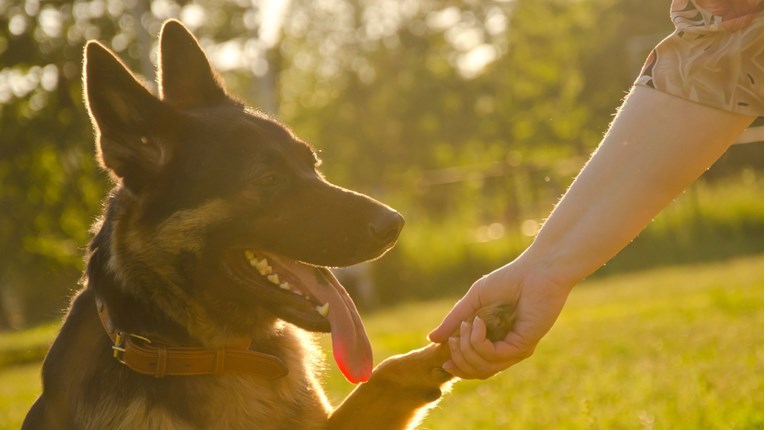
x: 186, y: 80
x: 133, y: 128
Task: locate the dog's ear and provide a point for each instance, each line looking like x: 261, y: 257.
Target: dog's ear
x: 186, y: 77
x: 132, y: 125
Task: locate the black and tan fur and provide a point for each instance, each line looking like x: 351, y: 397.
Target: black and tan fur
x: 197, y: 174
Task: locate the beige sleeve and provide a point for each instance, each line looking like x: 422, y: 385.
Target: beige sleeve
x: 714, y: 56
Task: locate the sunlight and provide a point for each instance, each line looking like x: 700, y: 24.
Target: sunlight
x: 530, y: 227
x: 193, y: 15
x: 468, y: 36
x: 228, y: 56
x: 472, y: 63
x: 272, y: 14
x: 50, y: 22
x: 17, y: 25
x: 247, y: 53
x: 443, y: 19
x: 490, y: 232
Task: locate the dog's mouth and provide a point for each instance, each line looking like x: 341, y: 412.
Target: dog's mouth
x: 309, y: 297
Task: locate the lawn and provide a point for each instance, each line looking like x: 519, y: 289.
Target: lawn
x: 670, y: 348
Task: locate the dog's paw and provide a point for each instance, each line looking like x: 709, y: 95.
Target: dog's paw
x: 418, y: 371
x: 418, y: 375
x: 499, y: 320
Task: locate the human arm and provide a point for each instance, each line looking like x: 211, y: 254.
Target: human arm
x: 656, y: 147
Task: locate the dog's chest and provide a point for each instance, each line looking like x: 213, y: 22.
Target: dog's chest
x: 228, y: 402
x: 289, y: 403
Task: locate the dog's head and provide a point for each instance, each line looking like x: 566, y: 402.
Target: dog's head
x: 224, y: 220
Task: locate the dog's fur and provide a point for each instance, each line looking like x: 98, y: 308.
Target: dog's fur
x: 198, y: 174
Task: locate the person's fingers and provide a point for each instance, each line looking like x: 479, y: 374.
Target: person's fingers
x: 463, y: 310
x: 475, y: 357
x: 466, y: 363
x: 461, y: 368
x: 470, y: 337
x: 496, y: 287
x: 456, y: 351
x: 480, y: 344
x: 466, y: 359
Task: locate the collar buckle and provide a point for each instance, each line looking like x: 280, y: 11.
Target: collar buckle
x: 120, y: 342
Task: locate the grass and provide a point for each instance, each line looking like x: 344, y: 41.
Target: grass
x: 678, y: 347
x: 671, y: 348
x: 19, y: 387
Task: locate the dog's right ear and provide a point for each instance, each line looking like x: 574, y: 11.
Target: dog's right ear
x: 187, y: 80
x: 132, y: 126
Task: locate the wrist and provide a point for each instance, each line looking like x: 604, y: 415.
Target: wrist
x: 553, y: 264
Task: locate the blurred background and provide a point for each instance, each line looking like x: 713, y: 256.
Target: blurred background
x: 469, y: 117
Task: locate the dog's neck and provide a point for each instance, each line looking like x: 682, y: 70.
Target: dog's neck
x: 165, y: 347
x: 158, y: 358
x: 129, y: 313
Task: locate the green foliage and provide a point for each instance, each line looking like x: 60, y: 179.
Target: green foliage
x: 400, y: 106
x: 678, y: 347
x: 713, y: 220
x: 710, y: 221
x: 49, y: 187
x: 28, y: 346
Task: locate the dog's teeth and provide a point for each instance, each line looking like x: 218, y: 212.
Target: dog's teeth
x: 263, y: 268
x: 249, y: 255
x: 323, y: 310
x: 285, y: 286
x: 274, y: 279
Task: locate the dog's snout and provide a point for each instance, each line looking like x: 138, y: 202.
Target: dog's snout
x: 386, y: 226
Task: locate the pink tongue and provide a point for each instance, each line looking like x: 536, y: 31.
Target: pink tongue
x: 350, y: 345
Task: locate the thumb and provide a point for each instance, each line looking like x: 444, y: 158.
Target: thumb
x: 464, y: 310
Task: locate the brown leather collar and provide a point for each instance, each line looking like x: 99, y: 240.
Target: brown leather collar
x: 148, y: 357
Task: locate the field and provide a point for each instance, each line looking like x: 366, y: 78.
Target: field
x: 670, y: 348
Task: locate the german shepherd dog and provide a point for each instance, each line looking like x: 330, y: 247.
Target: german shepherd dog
x: 209, y: 259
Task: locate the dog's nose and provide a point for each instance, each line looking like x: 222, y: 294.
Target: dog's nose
x: 386, y: 226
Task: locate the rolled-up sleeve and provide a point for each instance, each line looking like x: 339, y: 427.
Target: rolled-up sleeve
x: 714, y: 56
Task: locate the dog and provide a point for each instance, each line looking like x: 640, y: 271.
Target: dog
x: 208, y: 270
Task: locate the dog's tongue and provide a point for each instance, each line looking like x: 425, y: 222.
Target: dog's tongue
x: 350, y: 345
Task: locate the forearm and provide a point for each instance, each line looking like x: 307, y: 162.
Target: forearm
x: 656, y: 147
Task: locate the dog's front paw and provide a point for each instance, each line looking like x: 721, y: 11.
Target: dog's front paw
x: 398, y: 393
x: 499, y: 319
x: 417, y: 373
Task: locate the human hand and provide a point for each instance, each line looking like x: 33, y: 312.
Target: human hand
x: 537, y: 300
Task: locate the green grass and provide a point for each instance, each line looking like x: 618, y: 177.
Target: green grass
x: 19, y: 387
x: 672, y: 348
